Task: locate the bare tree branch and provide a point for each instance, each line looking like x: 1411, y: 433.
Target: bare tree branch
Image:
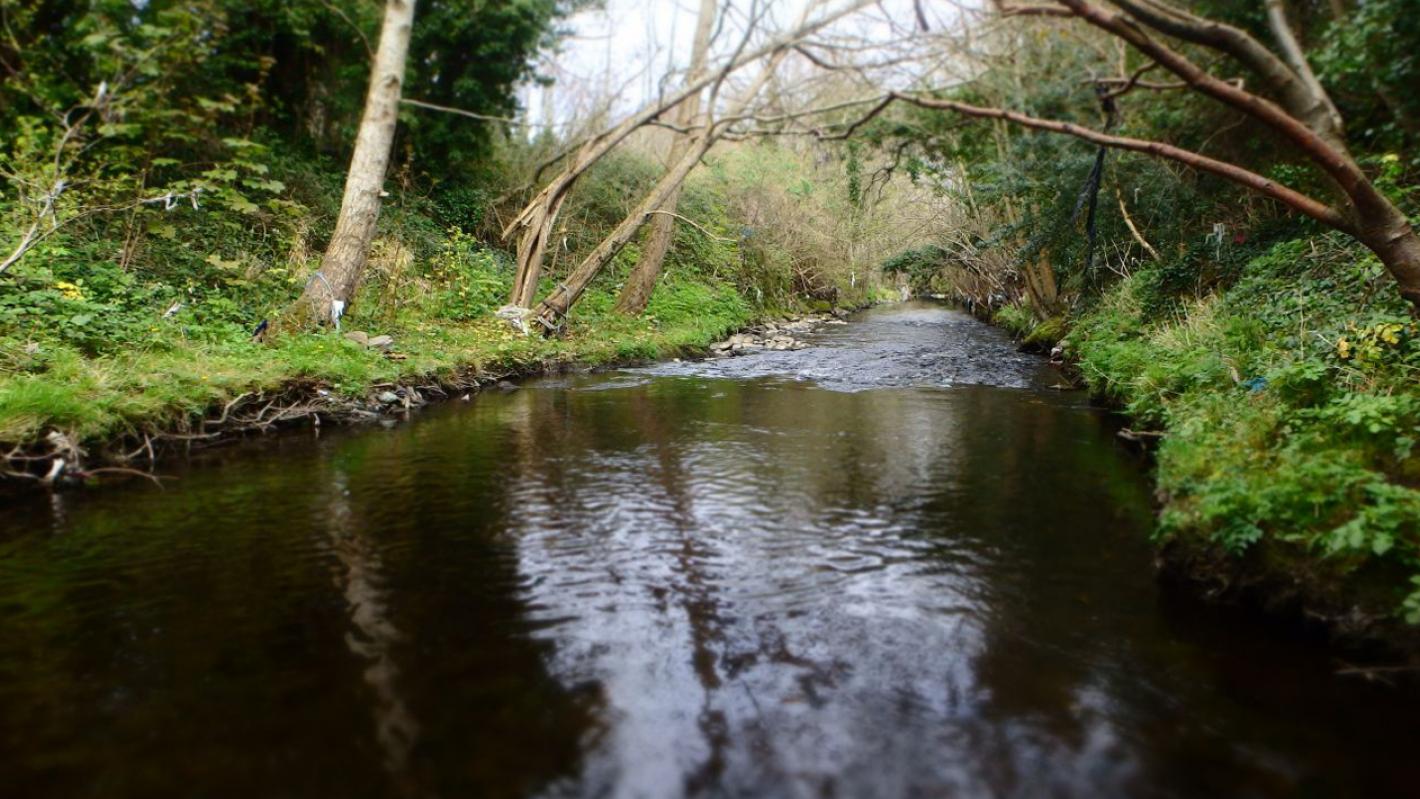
x: 1291, y: 198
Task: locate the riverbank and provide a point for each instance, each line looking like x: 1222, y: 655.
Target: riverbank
x: 1286, y: 410
x: 66, y: 417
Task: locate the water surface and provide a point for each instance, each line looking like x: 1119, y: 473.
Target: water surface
x: 898, y: 563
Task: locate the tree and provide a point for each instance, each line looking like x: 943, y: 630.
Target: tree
x: 534, y: 224
x: 334, y: 284
x: 636, y: 292
x: 1302, y: 115
x: 550, y: 312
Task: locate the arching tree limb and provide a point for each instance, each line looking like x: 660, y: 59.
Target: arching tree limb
x: 1306, y: 101
x: 1251, y: 180
x: 1370, y: 216
x: 535, y: 223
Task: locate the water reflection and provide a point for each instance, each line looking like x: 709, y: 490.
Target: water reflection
x: 682, y: 581
x: 762, y: 591
x: 374, y: 635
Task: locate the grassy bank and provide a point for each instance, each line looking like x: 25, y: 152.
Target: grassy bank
x: 1289, y: 409
x: 176, y: 379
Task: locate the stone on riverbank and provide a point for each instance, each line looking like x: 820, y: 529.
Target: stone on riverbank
x: 778, y: 336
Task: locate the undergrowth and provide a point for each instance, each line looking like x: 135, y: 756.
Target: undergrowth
x: 1289, y: 407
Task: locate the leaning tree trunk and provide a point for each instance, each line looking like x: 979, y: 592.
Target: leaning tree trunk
x: 333, y: 286
x: 636, y: 292
x: 553, y: 309
x: 534, y: 224
x: 550, y: 312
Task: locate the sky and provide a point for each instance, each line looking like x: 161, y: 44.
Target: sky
x: 624, y: 49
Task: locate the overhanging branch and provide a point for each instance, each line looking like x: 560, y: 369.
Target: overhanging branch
x: 1290, y: 197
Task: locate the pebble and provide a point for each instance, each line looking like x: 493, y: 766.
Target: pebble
x: 382, y: 343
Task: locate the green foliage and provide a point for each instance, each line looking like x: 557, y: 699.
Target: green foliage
x: 1289, y: 404
x: 1370, y: 64
x: 853, y: 169
x: 920, y: 265
x: 1015, y: 319
x: 472, y: 281
x: 482, y: 50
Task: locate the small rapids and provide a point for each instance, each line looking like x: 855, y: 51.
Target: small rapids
x: 915, y: 345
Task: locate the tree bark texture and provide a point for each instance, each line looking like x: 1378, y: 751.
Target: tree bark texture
x: 334, y: 285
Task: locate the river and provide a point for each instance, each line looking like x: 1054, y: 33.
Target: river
x: 898, y: 563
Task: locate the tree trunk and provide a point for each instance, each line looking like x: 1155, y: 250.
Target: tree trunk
x: 1387, y: 232
x: 535, y: 222
x: 1297, y: 60
x: 333, y: 286
x: 1043, y: 291
x: 554, y: 308
x: 636, y: 293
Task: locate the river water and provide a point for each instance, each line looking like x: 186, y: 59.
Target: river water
x: 898, y: 563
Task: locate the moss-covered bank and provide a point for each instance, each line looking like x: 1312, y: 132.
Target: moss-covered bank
x: 1289, y: 409
x: 179, y: 386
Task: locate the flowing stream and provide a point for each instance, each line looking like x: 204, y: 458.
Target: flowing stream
x: 897, y: 563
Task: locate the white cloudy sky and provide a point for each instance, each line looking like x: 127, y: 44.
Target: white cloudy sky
x: 625, y: 48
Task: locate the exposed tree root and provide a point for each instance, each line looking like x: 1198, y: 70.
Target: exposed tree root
x: 58, y: 461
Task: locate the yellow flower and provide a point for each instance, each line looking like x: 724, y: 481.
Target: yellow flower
x: 70, y: 291
x: 1343, y: 348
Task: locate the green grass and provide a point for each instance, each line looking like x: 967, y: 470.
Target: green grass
x: 1290, y: 405
x: 172, y: 378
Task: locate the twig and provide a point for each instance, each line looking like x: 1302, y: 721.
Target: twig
x: 1129, y: 222
x: 693, y: 224
x: 470, y: 114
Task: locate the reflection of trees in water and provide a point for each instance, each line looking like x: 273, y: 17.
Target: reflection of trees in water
x: 1058, y: 508
x: 373, y: 635
x: 683, y: 492
x: 695, y: 588
x: 493, y: 720
x: 520, y: 528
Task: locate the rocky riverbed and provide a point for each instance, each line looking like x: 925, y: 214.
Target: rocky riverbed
x: 778, y: 336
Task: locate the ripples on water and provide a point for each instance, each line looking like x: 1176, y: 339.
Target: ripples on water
x: 745, y: 577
